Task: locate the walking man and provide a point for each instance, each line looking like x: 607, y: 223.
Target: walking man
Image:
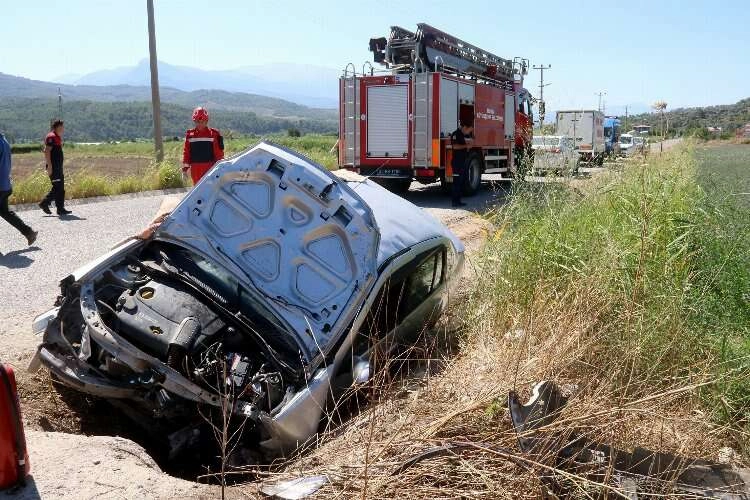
x: 6, y: 189
x: 204, y: 146
x: 53, y: 154
x: 460, y: 158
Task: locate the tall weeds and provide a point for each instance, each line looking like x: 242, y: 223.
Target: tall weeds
x: 654, y: 270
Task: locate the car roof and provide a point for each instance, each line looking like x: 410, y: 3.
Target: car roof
x: 401, y: 223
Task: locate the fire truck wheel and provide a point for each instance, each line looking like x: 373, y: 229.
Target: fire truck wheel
x: 474, y: 170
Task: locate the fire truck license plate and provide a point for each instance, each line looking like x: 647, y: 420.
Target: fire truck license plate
x: 390, y: 172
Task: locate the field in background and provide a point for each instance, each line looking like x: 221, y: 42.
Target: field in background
x: 117, y: 168
x: 725, y: 169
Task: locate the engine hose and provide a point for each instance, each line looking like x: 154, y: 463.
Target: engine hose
x: 186, y: 333
x: 122, y: 282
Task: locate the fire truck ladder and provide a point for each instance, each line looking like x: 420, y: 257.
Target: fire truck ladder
x: 405, y: 51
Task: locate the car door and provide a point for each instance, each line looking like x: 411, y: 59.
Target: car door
x: 422, y: 297
x: 407, y: 303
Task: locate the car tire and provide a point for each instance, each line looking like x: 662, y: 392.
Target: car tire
x: 474, y: 171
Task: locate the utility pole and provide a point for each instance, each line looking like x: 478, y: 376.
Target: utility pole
x: 59, y: 104
x: 541, y: 69
x: 600, y: 94
x: 155, y: 102
x: 626, y: 118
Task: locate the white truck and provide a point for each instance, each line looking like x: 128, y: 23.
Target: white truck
x: 587, y: 129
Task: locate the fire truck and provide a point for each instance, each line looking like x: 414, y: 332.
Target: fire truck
x: 395, y: 123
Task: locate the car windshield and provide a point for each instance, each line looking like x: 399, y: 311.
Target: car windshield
x: 546, y: 140
x: 626, y: 139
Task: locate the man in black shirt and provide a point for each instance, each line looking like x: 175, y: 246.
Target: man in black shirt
x: 53, y: 154
x: 460, y: 160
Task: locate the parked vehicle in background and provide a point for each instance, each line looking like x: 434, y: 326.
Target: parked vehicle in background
x: 631, y: 145
x: 627, y: 145
x: 612, y: 131
x: 554, y: 153
x: 586, y: 127
x: 270, y: 280
x: 640, y: 144
x: 395, y: 125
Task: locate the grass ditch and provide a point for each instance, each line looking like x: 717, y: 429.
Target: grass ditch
x: 658, y: 267
x: 630, y: 290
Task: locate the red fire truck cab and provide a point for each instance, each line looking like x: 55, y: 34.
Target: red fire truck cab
x: 395, y: 126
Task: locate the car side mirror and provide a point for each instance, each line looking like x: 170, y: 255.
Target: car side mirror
x: 361, y: 370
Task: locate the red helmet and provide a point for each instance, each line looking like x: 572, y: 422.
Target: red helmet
x: 200, y: 114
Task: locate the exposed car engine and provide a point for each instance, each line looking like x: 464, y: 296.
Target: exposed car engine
x: 158, y: 303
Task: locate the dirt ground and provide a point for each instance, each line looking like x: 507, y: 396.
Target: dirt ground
x: 115, y: 166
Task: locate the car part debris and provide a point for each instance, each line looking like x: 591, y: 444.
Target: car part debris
x: 636, y: 474
x: 294, y: 489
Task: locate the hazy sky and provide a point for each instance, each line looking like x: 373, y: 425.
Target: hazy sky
x: 687, y: 52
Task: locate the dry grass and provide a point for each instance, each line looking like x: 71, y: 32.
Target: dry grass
x: 466, y: 403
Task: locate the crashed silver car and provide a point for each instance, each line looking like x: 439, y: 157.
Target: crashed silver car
x: 269, y: 281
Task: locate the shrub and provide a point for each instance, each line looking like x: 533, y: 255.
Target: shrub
x: 132, y: 184
x: 169, y: 175
x: 85, y: 185
x: 31, y: 188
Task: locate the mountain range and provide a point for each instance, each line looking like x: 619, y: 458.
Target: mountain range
x: 115, y: 112
x: 305, y: 84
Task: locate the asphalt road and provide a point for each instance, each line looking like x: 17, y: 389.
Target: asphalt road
x: 30, y: 275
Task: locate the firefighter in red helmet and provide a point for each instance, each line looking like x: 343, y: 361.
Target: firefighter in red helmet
x: 204, y: 146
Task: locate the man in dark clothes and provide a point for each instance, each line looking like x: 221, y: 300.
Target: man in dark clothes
x: 53, y: 153
x: 6, y: 189
x: 460, y: 159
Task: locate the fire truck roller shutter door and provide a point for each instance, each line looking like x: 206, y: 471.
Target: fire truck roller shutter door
x: 387, y: 121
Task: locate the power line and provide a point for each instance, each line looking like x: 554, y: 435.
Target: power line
x: 600, y: 94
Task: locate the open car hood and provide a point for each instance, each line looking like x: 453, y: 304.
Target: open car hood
x: 289, y: 230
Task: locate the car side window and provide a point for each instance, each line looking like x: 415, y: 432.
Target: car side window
x: 422, y: 282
